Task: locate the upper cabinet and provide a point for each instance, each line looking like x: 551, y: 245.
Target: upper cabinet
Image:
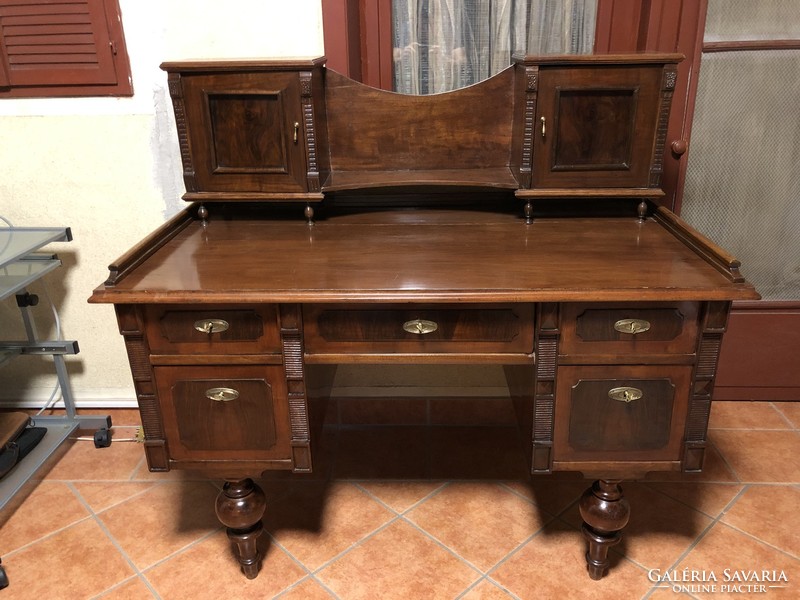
x: 594, y: 122
x: 249, y: 132
x: 602, y: 126
x: 547, y: 126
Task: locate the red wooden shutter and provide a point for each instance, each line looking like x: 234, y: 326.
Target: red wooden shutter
x: 59, y: 43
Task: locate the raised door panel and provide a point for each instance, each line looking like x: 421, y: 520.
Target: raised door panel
x: 621, y: 414
x: 224, y: 412
x: 596, y: 127
x: 245, y: 132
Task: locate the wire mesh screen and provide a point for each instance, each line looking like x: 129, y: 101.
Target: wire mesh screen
x: 742, y: 184
x: 729, y: 20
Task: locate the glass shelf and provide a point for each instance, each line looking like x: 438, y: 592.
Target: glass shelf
x: 17, y: 275
x: 18, y: 242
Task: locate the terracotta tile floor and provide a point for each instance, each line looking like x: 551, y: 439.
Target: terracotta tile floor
x: 436, y: 523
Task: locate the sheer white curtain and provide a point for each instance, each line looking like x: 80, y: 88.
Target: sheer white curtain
x: 442, y: 45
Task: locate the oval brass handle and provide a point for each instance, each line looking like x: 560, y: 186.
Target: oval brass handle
x: 210, y: 326
x: 222, y: 394
x: 420, y: 326
x: 632, y: 326
x: 296, y: 130
x: 625, y: 394
x: 544, y: 130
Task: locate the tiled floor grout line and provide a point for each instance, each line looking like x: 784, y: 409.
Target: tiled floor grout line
x: 431, y: 494
x: 399, y: 516
x: 96, y: 516
x: 274, y: 542
x: 485, y: 576
x: 442, y: 545
x: 124, y: 582
x: 783, y: 416
x: 300, y: 582
x: 649, y: 485
x: 489, y: 581
x: 701, y: 535
x: 138, y: 467
x: 789, y: 428
x: 724, y: 459
x: 403, y: 515
x: 46, y: 536
x: 352, y: 547
x: 759, y: 540
x: 179, y: 551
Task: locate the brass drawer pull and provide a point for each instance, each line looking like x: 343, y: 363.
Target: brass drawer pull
x: 632, y: 326
x: 210, y: 326
x: 625, y: 394
x: 222, y: 394
x: 420, y: 326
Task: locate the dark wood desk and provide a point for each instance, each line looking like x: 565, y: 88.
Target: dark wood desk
x: 607, y: 319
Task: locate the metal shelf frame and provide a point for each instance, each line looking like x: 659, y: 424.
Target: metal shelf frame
x: 22, y: 263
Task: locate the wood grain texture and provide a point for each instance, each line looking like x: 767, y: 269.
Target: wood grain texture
x: 425, y: 256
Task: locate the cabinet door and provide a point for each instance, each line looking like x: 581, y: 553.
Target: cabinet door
x: 245, y: 131
x: 621, y: 414
x: 224, y: 412
x: 596, y: 127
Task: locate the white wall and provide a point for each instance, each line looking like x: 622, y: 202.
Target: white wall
x: 110, y: 169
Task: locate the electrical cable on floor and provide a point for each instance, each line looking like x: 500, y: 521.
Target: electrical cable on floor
x: 138, y: 438
x: 57, y: 320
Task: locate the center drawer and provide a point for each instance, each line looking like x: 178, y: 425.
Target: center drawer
x: 367, y: 329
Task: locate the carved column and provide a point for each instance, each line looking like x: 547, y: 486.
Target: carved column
x: 547, y: 336
x: 715, y: 320
x: 668, y: 80
x: 176, y: 92
x: 155, y: 444
x: 294, y: 368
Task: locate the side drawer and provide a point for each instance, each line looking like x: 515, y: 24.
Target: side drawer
x: 624, y: 413
x: 629, y: 329
x: 225, y: 412
x: 179, y: 329
x: 363, y: 329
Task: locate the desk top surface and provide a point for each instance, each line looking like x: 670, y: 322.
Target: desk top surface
x: 423, y: 255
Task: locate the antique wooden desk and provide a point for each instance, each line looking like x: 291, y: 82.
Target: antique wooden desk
x: 514, y: 222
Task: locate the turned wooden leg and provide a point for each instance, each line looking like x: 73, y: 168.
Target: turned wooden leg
x: 605, y: 512
x: 240, y: 506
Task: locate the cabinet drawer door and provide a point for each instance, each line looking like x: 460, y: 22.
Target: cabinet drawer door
x: 224, y: 413
x: 245, y: 131
x: 596, y: 127
x: 212, y: 330
x: 629, y: 329
x: 631, y: 413
x: 343, y: 329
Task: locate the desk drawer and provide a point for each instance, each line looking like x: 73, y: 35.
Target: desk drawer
x: 422, y: 329
x: 629, y: 329
x: 225, y: 412
x: 212, y: 330
x: 624, y: 413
